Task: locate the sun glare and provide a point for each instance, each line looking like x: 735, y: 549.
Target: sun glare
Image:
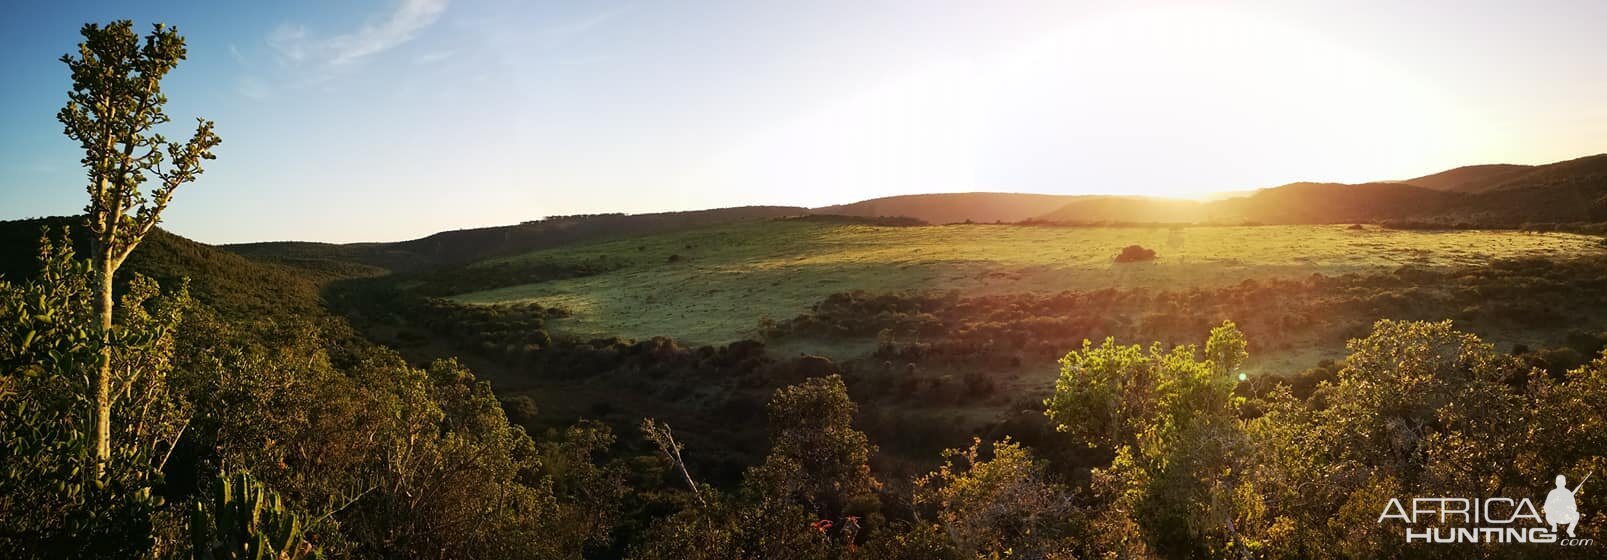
x: 1182, y: 103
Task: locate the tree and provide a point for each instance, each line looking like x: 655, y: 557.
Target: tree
x: 1421, y: 409
x: 816, y: 455
x: 115, y: 104
x: 996, y: 507
x: 1169, y: 420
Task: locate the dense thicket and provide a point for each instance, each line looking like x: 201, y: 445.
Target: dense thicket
x: 1002, y: 330
x: 944, y: 366
x: 393, y: 461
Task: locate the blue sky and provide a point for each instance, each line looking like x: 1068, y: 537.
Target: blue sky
x: 392, y: 119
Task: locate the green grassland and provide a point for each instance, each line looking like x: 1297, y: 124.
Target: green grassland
x: 713, y: 285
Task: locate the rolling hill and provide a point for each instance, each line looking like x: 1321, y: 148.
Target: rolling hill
x: 1328, y: 203
x: 1130, y: 209
x: 1471, y: 178
x: 1497, y: 195
x: 233, y: 285
x: 468, y: 245
x: 951, y: 208
x: 1570, y: 194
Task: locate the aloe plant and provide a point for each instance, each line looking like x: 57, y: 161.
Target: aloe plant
x: 243, y: 519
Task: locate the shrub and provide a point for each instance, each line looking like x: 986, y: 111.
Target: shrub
x: 1135, y: 253
x: 979, y: 385
x: 521, y: 410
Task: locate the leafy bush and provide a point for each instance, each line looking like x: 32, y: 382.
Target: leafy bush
x: 1135, y: 253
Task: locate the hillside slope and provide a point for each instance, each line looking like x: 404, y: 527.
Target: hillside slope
x: 1470, y: 178
x: 1129, y: 209
x: 1328, y: 203
x: 1567, y: 191
x: 1495, y: 195
x: 233, y: 285
x: 950, y: 208
x: 468, y: 245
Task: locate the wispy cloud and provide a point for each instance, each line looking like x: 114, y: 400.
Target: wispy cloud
x: 304, y: 58
x: 581, y: 26
x: 290, y: 41
x: 296, y: 45
x: 434, y: 57
x: 523, y: 37
x: 252, y: 88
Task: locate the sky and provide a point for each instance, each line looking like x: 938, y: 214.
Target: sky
x: 378, y: 120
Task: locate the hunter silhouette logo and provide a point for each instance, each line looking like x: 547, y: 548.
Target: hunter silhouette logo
x: 1560, y: 507
x: 1492, y: 520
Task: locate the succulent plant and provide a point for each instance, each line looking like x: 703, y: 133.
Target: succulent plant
x: 243, y: 519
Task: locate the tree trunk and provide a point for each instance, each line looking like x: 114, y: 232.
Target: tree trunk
x: 103, y: 373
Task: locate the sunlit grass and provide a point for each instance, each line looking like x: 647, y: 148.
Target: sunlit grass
x: 727, y: 278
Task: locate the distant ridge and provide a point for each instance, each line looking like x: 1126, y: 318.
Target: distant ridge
x: 1472, y: 178
x: 1129, y: 209
x: 229, y: 283
x: 1496, y: 195
x: 1328, y: 203
x: 468, y: 245
x: 1569, y: 193
x: 948, y: 208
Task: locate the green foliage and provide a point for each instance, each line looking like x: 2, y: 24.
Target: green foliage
x: 238, y: 289
x: 920, y: 541
x: 408, y: 460
x: 816, y: 455
x: 243, y: 519
x: 413, y: 461
x: 114, y: 105
x: 727, y: 529
x: 45, y: 331
x: 1419, y: 409
x: 1226, y: 349
x: 51, y: 498
x: 1000, y: 507
x: 805, y: 501
x: 1170, y: 421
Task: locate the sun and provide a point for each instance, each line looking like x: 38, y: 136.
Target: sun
x: 1178, y: 102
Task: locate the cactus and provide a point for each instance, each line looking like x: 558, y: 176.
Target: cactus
x: 242, y: 519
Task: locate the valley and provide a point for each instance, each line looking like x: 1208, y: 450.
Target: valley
x: 715, y: 285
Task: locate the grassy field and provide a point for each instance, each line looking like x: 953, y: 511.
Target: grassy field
x: 714, y: 285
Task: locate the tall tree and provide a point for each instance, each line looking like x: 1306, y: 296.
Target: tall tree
x: 1170, y: 422
x: 816, y: 454
x: 115, y: 104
